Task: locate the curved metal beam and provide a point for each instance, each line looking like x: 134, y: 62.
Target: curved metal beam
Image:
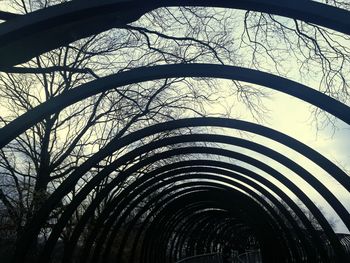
x: 163, y: 221
x: 205, y: 227
x: 188, y: 231
x: 166, y: 225
x: 180, y: 213
x: 344, y: 215
x: 64, y: 187
x: 262, y: 237
x: 135, y: 203
x: 213, y: 185
x: 196, y: 226
x: 56, y: 104
x: 206, y: 162
x: 280, y: 193
x: 30, y: 35
x: 180, y: 206
x: 152, y: 182
x: 155, y: 182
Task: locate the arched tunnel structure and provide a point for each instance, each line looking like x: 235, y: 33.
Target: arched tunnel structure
x: 214, y: 197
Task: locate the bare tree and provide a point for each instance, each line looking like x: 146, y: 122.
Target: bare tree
x: 38, y: 160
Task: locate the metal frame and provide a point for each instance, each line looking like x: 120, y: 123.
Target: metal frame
x: 285, y: 198
x: 24, y: 37
x: 295, y: 89
x: 183, y: 185
x: 78, y: 19
x: 112, y: 218
x: 257, y: 129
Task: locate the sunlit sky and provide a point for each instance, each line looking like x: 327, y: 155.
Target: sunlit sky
x: 293, y: 117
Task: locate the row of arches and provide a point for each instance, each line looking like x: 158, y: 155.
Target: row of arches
x: 205, y: 167
x: 194, y: 205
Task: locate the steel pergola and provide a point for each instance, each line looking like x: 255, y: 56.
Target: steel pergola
x: 197, y: 193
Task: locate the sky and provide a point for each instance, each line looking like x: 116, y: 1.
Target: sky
x: 293, y: 117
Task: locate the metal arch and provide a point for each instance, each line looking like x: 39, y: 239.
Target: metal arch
x: 151, y: 182
x: 188, y: 193
x: 204, y: 229
x: 192, y: 224
x: 159, y: 204
x: 120, y: 209
x: 179, y: 214
x: 263, y: 150
x: 232, y: 141
x: 167, y: 224
x: 184, y: 237
x: 208, y: 235
x: 210, y: 183
x: 295, y: 89
x: 193, y: 220
x: 75, y: 20
x: 272, y: 211
x: 224, y: 123
x: 121, y: 220
x: 166, y: 200
x: 98, y: 242
x: 263, y: 191
x: 153, y: 178
x: 133, y: 204
x: 192, y: 228
x: 196, y: 122
x: 96, y: 199
x: 232, y: 231
x: 336, y: 171
x: 173, y: 207
x: 181, y: 194
x: 113, y: 221
x: 99, y: 249
x: 112, y: 205
x: 193, y: 245
x: 169, y: 213
x: 276, y: 156
x: 346, y: 28
x: 7, y: 15
x: 236, y: 228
